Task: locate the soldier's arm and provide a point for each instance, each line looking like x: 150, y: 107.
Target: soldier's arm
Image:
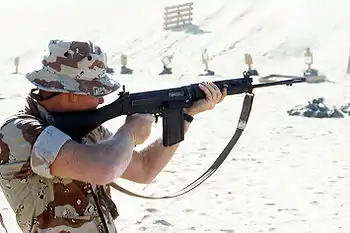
x: 27, y: 146
x: 147, y: 163
x: 99, y: 163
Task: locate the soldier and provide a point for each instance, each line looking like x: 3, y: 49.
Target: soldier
x: 55, y: 184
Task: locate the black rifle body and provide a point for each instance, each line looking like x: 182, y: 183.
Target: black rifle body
x: 165, y: 103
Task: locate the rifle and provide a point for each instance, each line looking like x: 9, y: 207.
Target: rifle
x: 169, y: 104
x: 166, y: 103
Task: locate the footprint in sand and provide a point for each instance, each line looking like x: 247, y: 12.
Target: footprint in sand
x: 162, y: 222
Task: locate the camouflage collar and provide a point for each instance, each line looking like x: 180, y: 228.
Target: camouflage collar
x: 44, y: 114
x: 37, y: 110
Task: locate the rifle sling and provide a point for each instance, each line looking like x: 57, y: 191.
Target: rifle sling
x: 246, y: 109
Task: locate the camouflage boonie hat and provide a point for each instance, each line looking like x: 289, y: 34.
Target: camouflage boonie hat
x: 77, y: 67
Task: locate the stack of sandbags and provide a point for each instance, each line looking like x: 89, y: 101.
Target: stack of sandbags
x: 316, y: 108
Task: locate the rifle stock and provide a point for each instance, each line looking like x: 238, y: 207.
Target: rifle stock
x: 166, y: 103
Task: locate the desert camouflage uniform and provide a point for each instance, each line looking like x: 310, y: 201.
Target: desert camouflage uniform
x: 29, y: 145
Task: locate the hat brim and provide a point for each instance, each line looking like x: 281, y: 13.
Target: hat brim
x: 48, y: 81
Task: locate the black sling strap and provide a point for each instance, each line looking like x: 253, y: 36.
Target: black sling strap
x: 243, y: 119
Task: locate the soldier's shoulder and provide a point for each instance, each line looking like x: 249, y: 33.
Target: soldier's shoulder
x: 22, y: 125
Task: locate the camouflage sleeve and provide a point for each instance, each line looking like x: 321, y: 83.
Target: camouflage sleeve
x: 45, y: 150
x: 27, y: 146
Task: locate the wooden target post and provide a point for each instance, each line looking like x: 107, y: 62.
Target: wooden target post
x: 311, y: 74
x: 205, y: 61
x: 166, y: 61
x: 348, y: 69
x: 124, y: 63
x: 249, y: 62
x: 308, y: 58
x: 16, y: 63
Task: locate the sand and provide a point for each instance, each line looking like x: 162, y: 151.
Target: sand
x: 286, y: 174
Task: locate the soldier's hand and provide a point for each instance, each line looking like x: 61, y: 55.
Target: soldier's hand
x: 140, y: 126
x: 213, y: 96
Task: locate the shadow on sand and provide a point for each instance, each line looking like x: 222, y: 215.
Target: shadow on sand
x: 188, y: 28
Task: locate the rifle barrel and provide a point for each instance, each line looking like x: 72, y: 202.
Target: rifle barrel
x: 281, y: 82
